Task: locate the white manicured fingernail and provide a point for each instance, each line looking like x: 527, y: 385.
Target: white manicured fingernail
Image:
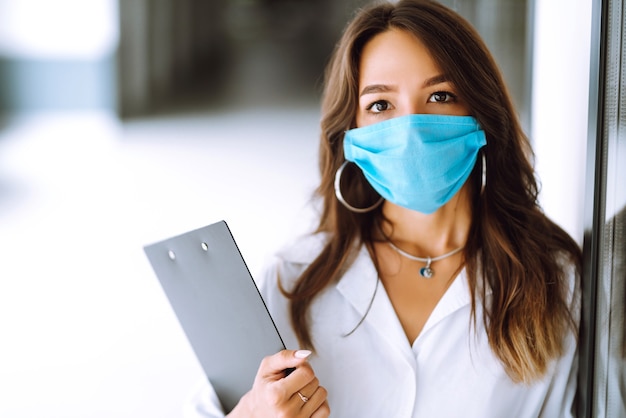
x: 302, y: 353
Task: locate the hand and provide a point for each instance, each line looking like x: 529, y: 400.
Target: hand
x: 276, y: 394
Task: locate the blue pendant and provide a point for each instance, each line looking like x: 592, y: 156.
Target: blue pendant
x: 427, y: 272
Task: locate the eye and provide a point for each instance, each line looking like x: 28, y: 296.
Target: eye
x: 442, y: 97
x: 378, y: 106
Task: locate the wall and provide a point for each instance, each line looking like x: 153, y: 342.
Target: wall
x: 57, y: 55
x: 560, y: 97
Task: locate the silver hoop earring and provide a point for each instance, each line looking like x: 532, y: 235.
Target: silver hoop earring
x: 484, y: 179
x: 343, y: 201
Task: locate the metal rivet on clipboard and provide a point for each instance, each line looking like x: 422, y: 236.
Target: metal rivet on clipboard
x: 172, y: 255
x: 205, y: 246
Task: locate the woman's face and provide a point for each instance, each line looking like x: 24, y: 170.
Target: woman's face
x: 399, y: 77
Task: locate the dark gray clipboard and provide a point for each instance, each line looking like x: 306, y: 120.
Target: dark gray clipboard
x: 218, y: 306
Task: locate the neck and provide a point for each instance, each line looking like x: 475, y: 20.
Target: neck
x: 433, y: 234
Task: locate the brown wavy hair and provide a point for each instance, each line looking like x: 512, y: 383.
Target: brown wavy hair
x: 511, y: 243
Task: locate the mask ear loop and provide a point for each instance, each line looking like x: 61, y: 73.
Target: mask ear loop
x: 339, y: 195
x: 484, y: 177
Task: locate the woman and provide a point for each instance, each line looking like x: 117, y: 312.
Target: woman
x: 434, y: 286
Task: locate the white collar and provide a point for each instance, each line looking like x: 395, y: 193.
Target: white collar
x: 359, y: 282
x: 357, y: 287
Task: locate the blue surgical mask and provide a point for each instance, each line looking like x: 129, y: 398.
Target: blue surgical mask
x: 416, y: 161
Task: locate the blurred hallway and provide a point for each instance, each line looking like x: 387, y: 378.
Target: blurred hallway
x: 223, y: 125
x: 86, y: 330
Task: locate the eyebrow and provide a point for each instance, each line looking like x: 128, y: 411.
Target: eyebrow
x: 438, y: 79
x: 384, y: 88
x: 377, y: 88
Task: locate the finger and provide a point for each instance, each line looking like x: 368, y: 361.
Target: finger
x: 275, y: 365
x: 309, y: 389
x: 301, y: 377
x: 322, y: 412
x: 313, y: 402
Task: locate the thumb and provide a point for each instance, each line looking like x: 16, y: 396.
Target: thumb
x: 292, y: 358
x: 284, y: 361
x: 301, y: 355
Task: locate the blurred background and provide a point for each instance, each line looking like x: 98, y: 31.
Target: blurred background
x: 124, y: 122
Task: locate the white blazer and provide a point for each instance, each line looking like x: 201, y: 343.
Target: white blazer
x: 449, y: 371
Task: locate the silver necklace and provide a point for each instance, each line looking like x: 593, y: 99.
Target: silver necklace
x: 426, y: 272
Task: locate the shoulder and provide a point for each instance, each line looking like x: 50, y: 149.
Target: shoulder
x: 304, y: 249
x: 290, y: 261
